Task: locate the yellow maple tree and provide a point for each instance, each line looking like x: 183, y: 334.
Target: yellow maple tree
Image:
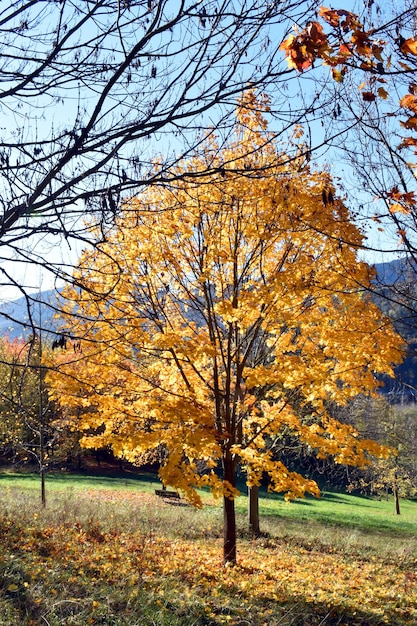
x: 218, y: 306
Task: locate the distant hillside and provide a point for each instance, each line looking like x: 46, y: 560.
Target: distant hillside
x: 397, y: 284
x: 393, y: 271
x: 15, y: 319
x: 20, y: 317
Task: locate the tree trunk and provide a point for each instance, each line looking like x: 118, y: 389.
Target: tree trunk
x: 43, y: 490
x: 396, y: 499
x: 229, y: 514
x: 41, y: 417
x: 253, y: 511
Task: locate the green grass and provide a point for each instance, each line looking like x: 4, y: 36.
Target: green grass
x: 341, y: 510
x: 58, y: 481
x: 107, y: 551
x: 344, y: 510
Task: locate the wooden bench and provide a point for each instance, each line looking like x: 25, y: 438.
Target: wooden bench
x: 163, y: 493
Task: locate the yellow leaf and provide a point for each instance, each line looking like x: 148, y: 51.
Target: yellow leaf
x: 398, y: 208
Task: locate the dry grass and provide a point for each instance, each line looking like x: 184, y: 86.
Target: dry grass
x: 99, y: 555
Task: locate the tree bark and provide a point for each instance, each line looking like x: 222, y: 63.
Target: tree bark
x: 43, y: 488
x: 229, y: 514
x: 253, y: 511
x: 397, y: 500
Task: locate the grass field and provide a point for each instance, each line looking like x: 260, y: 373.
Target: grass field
x: 106, y: 550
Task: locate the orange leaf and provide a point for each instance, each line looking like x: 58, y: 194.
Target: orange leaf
x: 382, y: 93
x: 411, y: 123
x: 409, y: 102
x: 407, y: 142
x: 408, y: 196
x: 409, y: 46
x: 287, y: 43
x: 362, y: 43
x: 315, y: 33
x: 330, y: 15
x: 344, y: 50
x: 398, y: 208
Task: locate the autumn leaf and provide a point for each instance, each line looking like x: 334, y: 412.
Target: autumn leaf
x: 302, y: 49
x: 331, y: 15
x: 411, y: 123
x: 383, y: 93
x: 368, y: 96
x: 407, y: 197
x: 409, y: 46
x: 344, y: 52
x: 338, y: 75
x: 401, y: 202
x: 409, y: 101
x: 408, y: 142
x: 398, y: 208
x: 316, y: 34
x: 362, y: 44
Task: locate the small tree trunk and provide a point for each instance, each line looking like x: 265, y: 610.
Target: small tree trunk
x: 41, y: 417
x: 42, y: 462
x: 396, y: 499
x: 229, y: 514
x: 43, y: 490
x: 253, y: 511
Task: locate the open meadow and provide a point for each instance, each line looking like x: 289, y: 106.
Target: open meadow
x: 108, y: 551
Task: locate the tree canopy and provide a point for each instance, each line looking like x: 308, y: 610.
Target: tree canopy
x: 221, y: 312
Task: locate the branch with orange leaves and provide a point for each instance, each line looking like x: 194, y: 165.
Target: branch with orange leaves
x: 342, y: 43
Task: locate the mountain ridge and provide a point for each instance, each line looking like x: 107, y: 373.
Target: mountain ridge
x: 16, y: 322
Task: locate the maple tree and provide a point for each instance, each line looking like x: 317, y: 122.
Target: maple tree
x: 221, y: 311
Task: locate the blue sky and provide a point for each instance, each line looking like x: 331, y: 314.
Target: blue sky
x: 286, y: 95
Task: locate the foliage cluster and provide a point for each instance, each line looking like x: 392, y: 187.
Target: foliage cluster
x: 24, y: 403
x: 31, y: 432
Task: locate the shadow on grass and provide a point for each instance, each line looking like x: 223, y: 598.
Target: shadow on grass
x: 242, y: 609
x: 338, y: 511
